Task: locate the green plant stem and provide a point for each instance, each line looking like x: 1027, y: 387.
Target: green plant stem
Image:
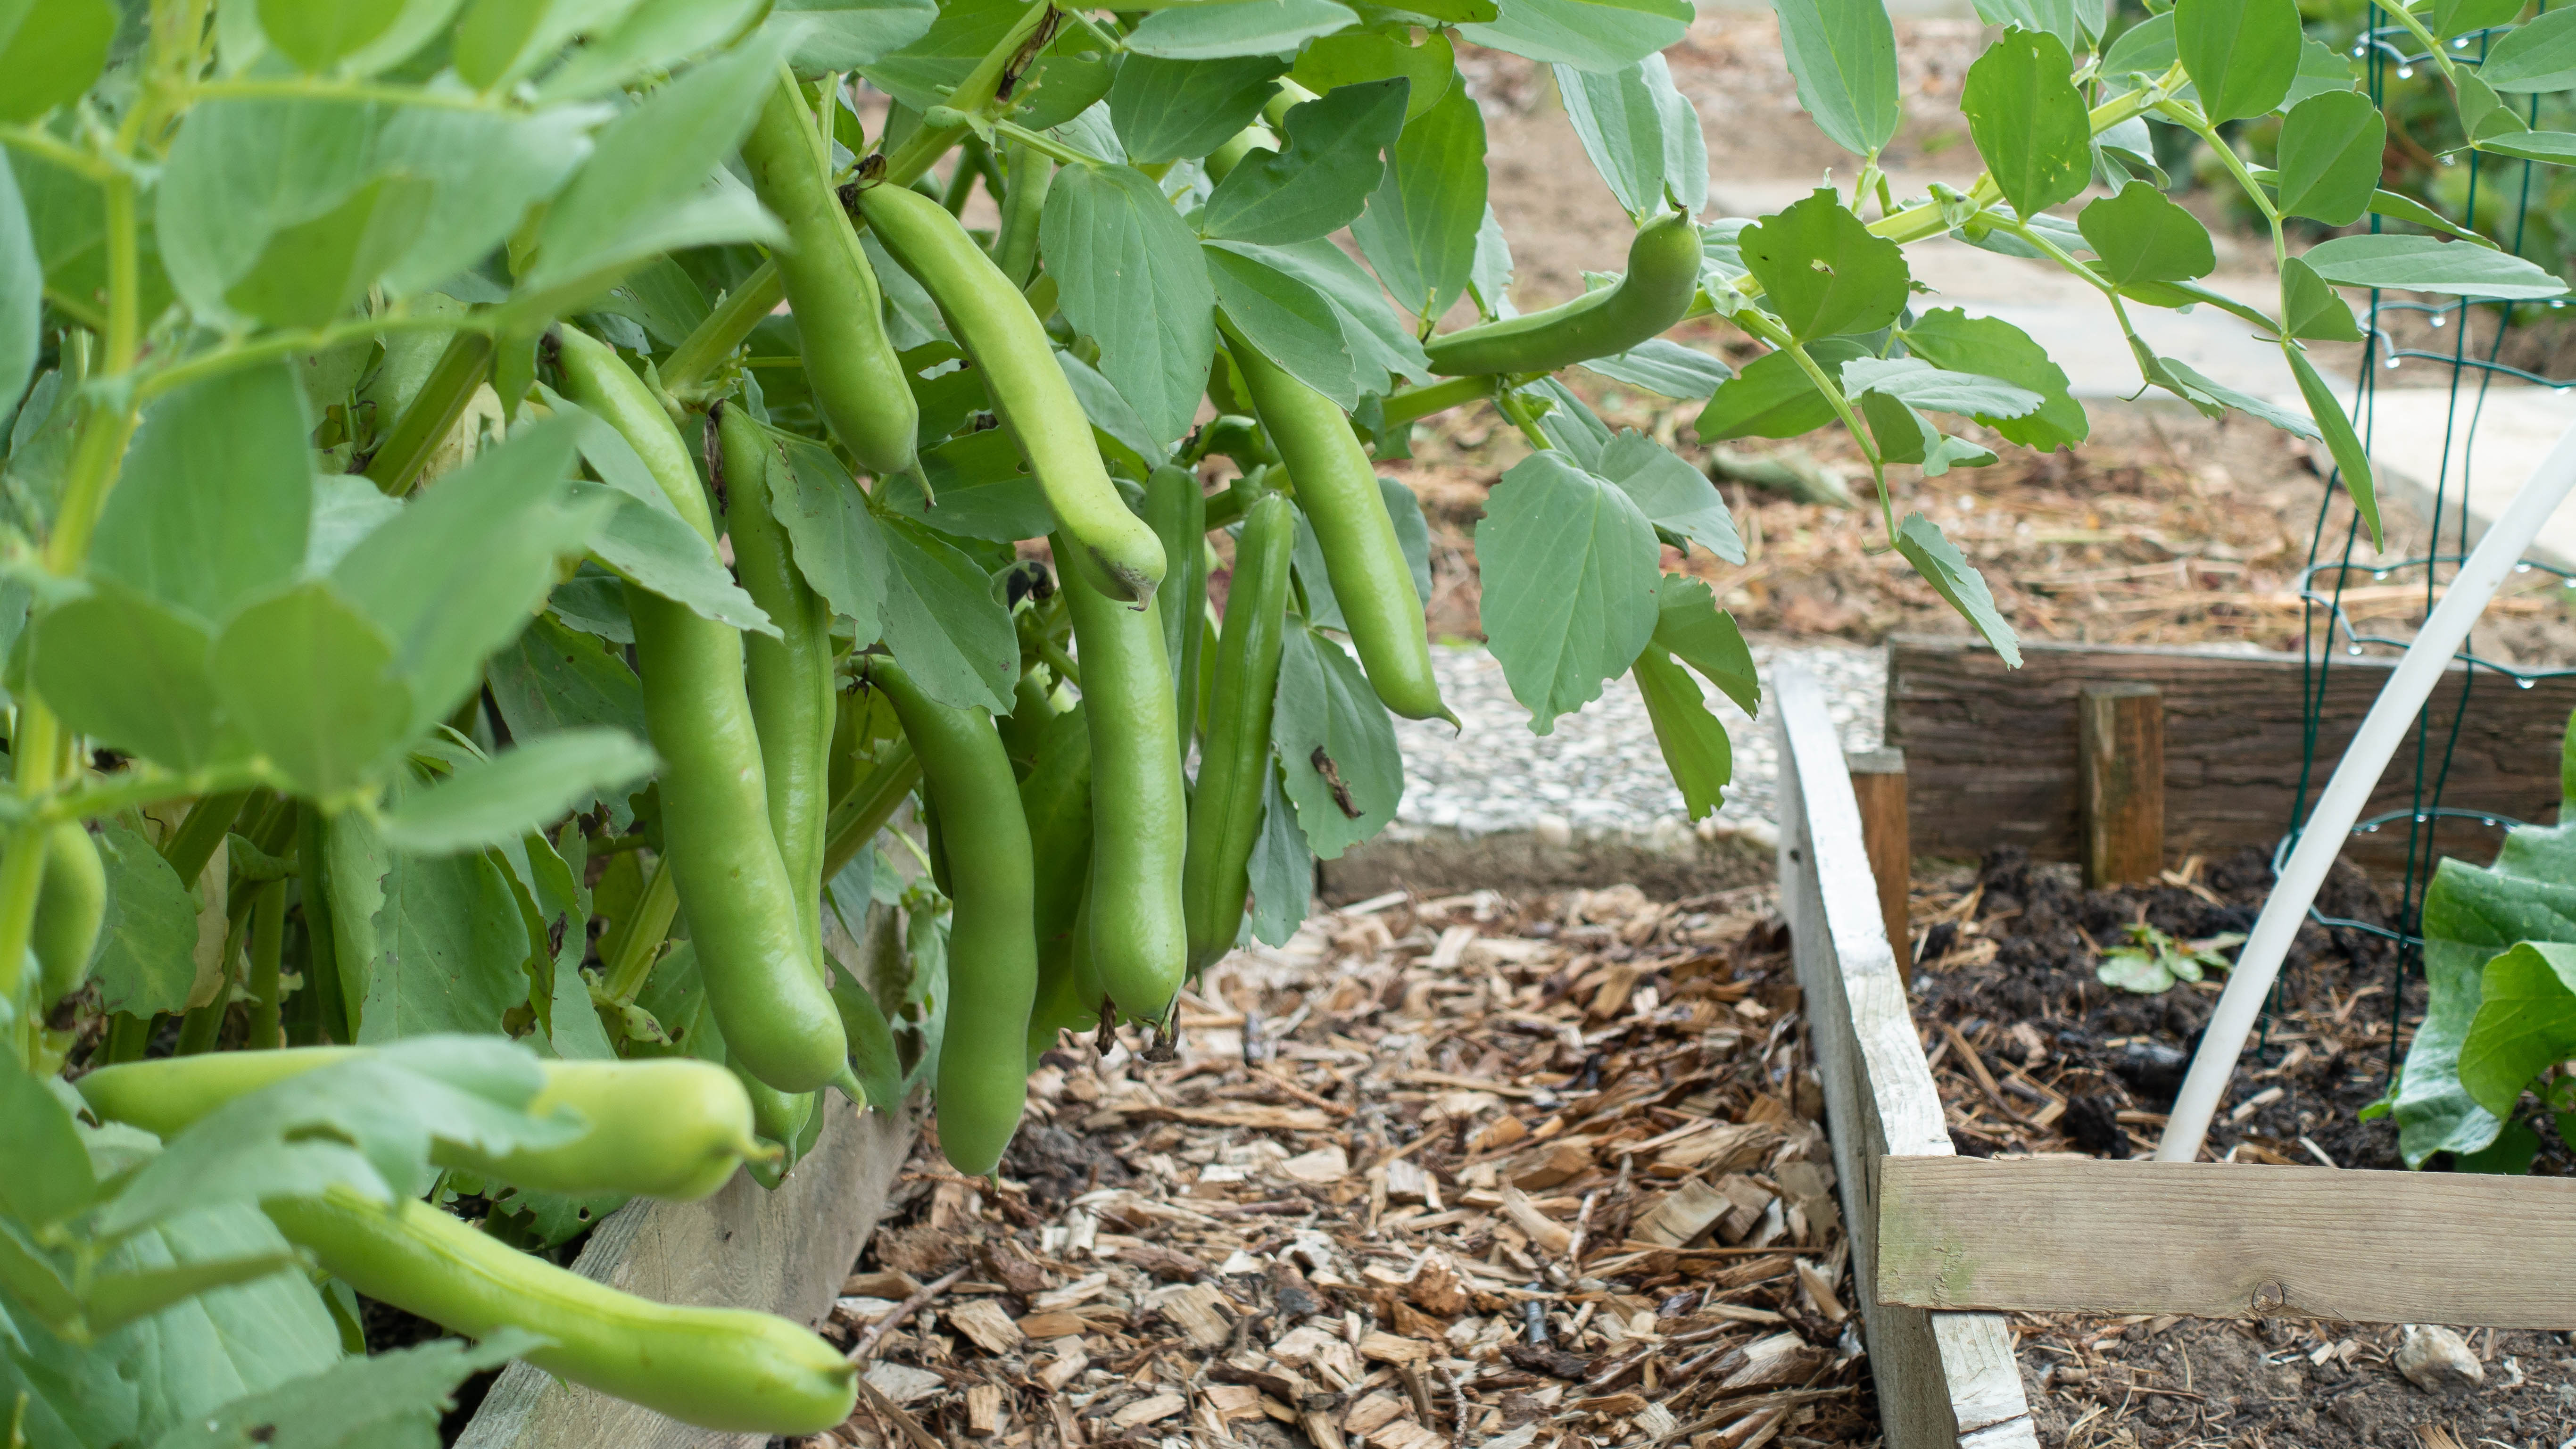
x: 2423, y: 37
x: 1511, y: 406
x: 640, y: 939
x: 267, y: 946
x: 2190, y: 119
x: 1778, y: 336
x: 1052, y: 654
x: 303, y: 88
x: 45, y: 146
x: 433, y: 412
x: 1415, y: 404
x: 706, y: 348
x: 869, y: 805
x: 974, y: 96
x: 129, y: 1036
x: 200, y: 1028
x: 1046, y: 145
x: 197, y: 838
x: 961, y: 180
x: 273, y: 345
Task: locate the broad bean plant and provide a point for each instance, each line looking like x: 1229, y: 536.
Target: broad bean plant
x: 506, y: 500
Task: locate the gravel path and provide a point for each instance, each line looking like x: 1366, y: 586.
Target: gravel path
x: 1599, y: 772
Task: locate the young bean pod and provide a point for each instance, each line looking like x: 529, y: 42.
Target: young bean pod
x: 1235, y: 759
x: 992, y: 945
x: 69, y: 908
x: 1031, y: 174
x: 1663, y: 275
x: 726, y: 1369
x: 743, y: 910
x: 1139, y: 810
x: 1029, y: 391
x: 671, y: 1128
x: 788, y: 679
x: 1337, y: 488
x: 858, y: 382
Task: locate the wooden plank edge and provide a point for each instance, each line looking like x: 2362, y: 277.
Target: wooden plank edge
x: 822, y: 1213
x: 2226, y: 1240
x: 1970, y: 1392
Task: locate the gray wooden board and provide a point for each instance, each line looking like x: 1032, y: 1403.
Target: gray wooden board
x: 784, y: 1252
x: 1991, y: 753
x: 2226, y: 1240
x: 1943, y: 1378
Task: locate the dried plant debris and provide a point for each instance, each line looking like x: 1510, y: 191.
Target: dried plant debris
x: 1464, y: 1171
x: 2035, y: 1053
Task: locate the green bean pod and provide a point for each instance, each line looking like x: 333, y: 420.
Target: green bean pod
x: 725, y: 1369
x: 1337, y: 489
x: 1663, y: 276
x: 1015, y: 246
x: 1176, y: 507
x: 1139, y: 806
x: 69, y: 909
x: 1234, y: 759
x: 1029, y: 391
x: 788, y: 679
x: 992, y: 944
x: 1055, y: 799
x: 858, y: 382
x: 671, y: 1128
x: 742, y: 908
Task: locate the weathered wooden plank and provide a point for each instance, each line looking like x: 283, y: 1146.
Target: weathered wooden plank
x: 2222, y: 1240
x: 1991, y: 752
x: 1943, y: 1379
x: 2120, y: 781
x: 784, y: 1252
x: 1878, y: 785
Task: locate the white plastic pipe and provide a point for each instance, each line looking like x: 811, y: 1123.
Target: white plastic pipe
x: 2330, y: 824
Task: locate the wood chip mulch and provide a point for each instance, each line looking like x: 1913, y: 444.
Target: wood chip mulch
x: 1463, y: 1171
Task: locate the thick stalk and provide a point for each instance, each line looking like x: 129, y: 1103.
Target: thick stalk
x: 267, y: 945
x: 639, y: 938
x: 194, y: 842
x: 433, y: 411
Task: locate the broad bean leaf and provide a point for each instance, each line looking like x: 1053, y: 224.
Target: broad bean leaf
x: 157, y: 1374
x: 1067, y: 76
x: 1164, y: 110
x: 658, y: 552
x: 2073, y: 24
x: 655, y: 38
x: 1954, y: 341
x: 942, y: 622
x: 383, y: 1401
x: 1672, y: 494
x: 655, y: 182
x: 457, y: 574
x: 1917, y: 383
x: 1292, y: 323
x: 1336, y: 745
x: 1773, y: 397
x: 67, y: 217
x: 2322, y: 70
x: 1332, y: 61
x: 2484, y: 114
x: 1570, y: 563
x: 1642, y: 135
x: 1904, y: 435
x: 150, y: 928
x: 452, y: 947
x: 1490, y: 279
x: 50, y: 51
x: 22, y: 291
x: 1691, y: 627
x: 216, y: 495
x: 1129, y: 276
x: 346, y: 508
x: 312, y: 683
x: 1215, y: 29
x: 1419, y: 231
x: 1412, y: 536
x: 1123, y: 435
x: 2242, y: 55
x: 553, y: 678
x: 1664, y: 367
x: 2428, y: 264
x: 2146, y: 48
x: 2311, y: 309
x: 1843, y: 54
x: 980, y: 487
x: 1694, y: 744
x: 1570, y: 424
x: 37, y: 1132
x: 2141, y: 235
x: 1319, y: 182
x: 1283, y: 869
x: 1821, y: 270
x: 492, y: 802
x: 2212, y: 398
x: 1378, y: 349
x: 134, y: 674
x: 2028, y: 120
x: 1590, y: 34
x: 832, y: 536
x: 844, y: 35
x: 314, y: 33
x: 2558, y: 148
x: 2330, y: 157
x: 2352, y: 460
x: 2536, y: 57
x: 1956, y: 580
